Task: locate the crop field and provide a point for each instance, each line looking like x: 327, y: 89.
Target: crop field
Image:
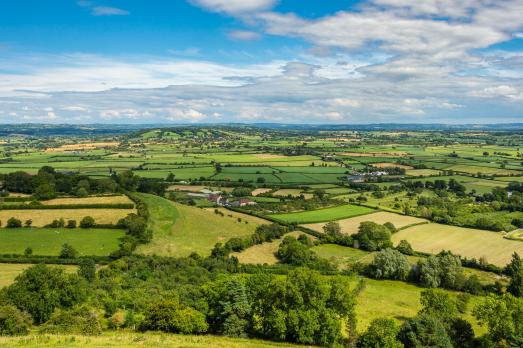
x: 291, y: 192
x: 320, y: 215
x: 124, y: 339
x: 180, y: 230
x: 48, y: 241
x: 467, y: 242
x: 9, y: 271
x: 422, y: 172
x: 260, y: 191
x: 351, y: 225
x: 121, y: 199
x: 42, y: 217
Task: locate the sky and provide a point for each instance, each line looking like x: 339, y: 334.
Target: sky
x: 251, y: 61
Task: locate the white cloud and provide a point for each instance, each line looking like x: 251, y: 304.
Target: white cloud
x: 244, y: 35
x: 235, y: 7
x: 108, y: 11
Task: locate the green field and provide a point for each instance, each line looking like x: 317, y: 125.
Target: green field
x: 180, y: 230
x: 48, y: 241
x: 320, y: 215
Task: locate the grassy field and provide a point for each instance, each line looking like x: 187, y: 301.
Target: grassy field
x: 9, y: 271
x: 432, y: 238
x: 42, y: 217
x: 292, y: 192
x: 320, y: 215
x: 180, y: 230
x: 48, y: 241
x: 340, y: 254
x: 351, y: 225
x: 129, y: 339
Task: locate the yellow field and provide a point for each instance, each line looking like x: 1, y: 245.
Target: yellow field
x: 42, y: 217
x: 263, y: 253
x: 292, y: 192
x: 432, y: 238
x: 375, y: 154
x: 9, y: 271
x: 390, y: 165
x: 259, y: 191
x: 90, y: 200
x: 83, y: 146
x: 351, y: 225
x: 190, y: 188
x: 422, y: 172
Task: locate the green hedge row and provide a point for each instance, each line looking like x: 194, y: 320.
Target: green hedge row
x: 35, y: 259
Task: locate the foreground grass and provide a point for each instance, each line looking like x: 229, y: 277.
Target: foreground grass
x: 123, y: 339
x: 49, y: 241
x: 321, y: 215
x: 180, y: 230
x: 467, y: 242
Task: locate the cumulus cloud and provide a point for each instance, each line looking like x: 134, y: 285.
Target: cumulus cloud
x: 244, y: 35
x: 235, y: 7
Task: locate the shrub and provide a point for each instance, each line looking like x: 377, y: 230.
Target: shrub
x: 87, y: 222
x: 71, y: 224
x: 170, y: 316
x: 13, y: 322
x: 405, y: 248
x: 80, y: 320
x: 13, y: 223
x: 389, y: 264
x: 68, y: 252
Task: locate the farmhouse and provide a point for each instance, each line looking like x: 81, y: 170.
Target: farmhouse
x: 242, y: 202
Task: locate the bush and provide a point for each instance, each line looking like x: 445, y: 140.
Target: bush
x: 68, y: 252
x: 13, y: 223
x: 71, y: 224
x: 170, y: 316
x: 405, y: 248
x: 389, y: 264
x: 13, y: 322
x: 372, y: 236
x: 87, y: 222
x: 80, y: 320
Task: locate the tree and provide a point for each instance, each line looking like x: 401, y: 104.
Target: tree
x: 442, y: 270
x: 80, y: 320
x: 87, y: 269
x: 170, y: 316
x: 372, y: 236
x: 389, y: 264
x: 87, y: 222
x: 424, y: 331
x: 44, y: 192
x: 503, y: 315
x: 68, y: 252
x: 515, y: 270
x: 28, y: 223
x: 380, y: 334
x: 40, y: 289
x: 71, y: 224
x: 13, y: 322
x: 13, y: 223
x: 127, y: 180
x: 439, y: 305
x: 332, y: 228
x: 405, y: 248
x: 28, y: 251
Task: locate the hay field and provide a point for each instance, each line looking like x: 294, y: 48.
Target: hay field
x: 259, y: 191
x: 432, y: 238
x: 292, y: 192
x: 235, y: 215
x: 83, y: 146
x: 42, y: 217
x: 390, y: 165
x: 89, y: 200
x: 422, y: 172
x: 351, y: 225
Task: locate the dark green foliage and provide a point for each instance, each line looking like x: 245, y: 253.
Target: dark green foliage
x: 13, y: 223
x: 461, y: 333
x: 424, y: 331
x: 372, y: 236
x: 391, y: 227
x: 87, y: 269
x: 171, y: 316
x: 80, y: 320
x: 127, y: 180
x: 241, y: 191
x: 439, y: 305
x: 44, y: 191
x: 87, y: 222
x: 389, y: 264
x: 380, y: 334
x: 136, y: 227
x: 332, y: 234
x: 71, y: 224
x: 442, y: 270
x: 405, y: 248
x: 515, y: 271
x: 68, y: 252
x: 295, y: 253
x: 13, y: 322
x: 40, y: 289
x: 503, y: 315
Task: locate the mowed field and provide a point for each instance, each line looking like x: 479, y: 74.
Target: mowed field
x: 49, y: 241
x: 180, y: 230
x: 467, y: 242
x: 120, y: 199
x: 129, y: 339
x: 9, y: 271
x: 321, y: 215
x: 42, y: 217
x: 351, y: 225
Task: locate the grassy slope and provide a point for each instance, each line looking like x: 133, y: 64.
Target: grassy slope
x: 48, y: 241
x: 124, y: 339
x: 180, y: 230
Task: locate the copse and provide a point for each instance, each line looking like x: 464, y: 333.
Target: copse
x: 389, y: 264
x: 372, y: 236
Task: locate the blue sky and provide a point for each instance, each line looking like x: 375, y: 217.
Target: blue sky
x: 293, y: 61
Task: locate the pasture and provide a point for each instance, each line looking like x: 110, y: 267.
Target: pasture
x: 180, y: 230
x: 351, y: 225
x: 42, y: 217
x: 467, y: 242
x: 49, y: 241
x: 321, y: 215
